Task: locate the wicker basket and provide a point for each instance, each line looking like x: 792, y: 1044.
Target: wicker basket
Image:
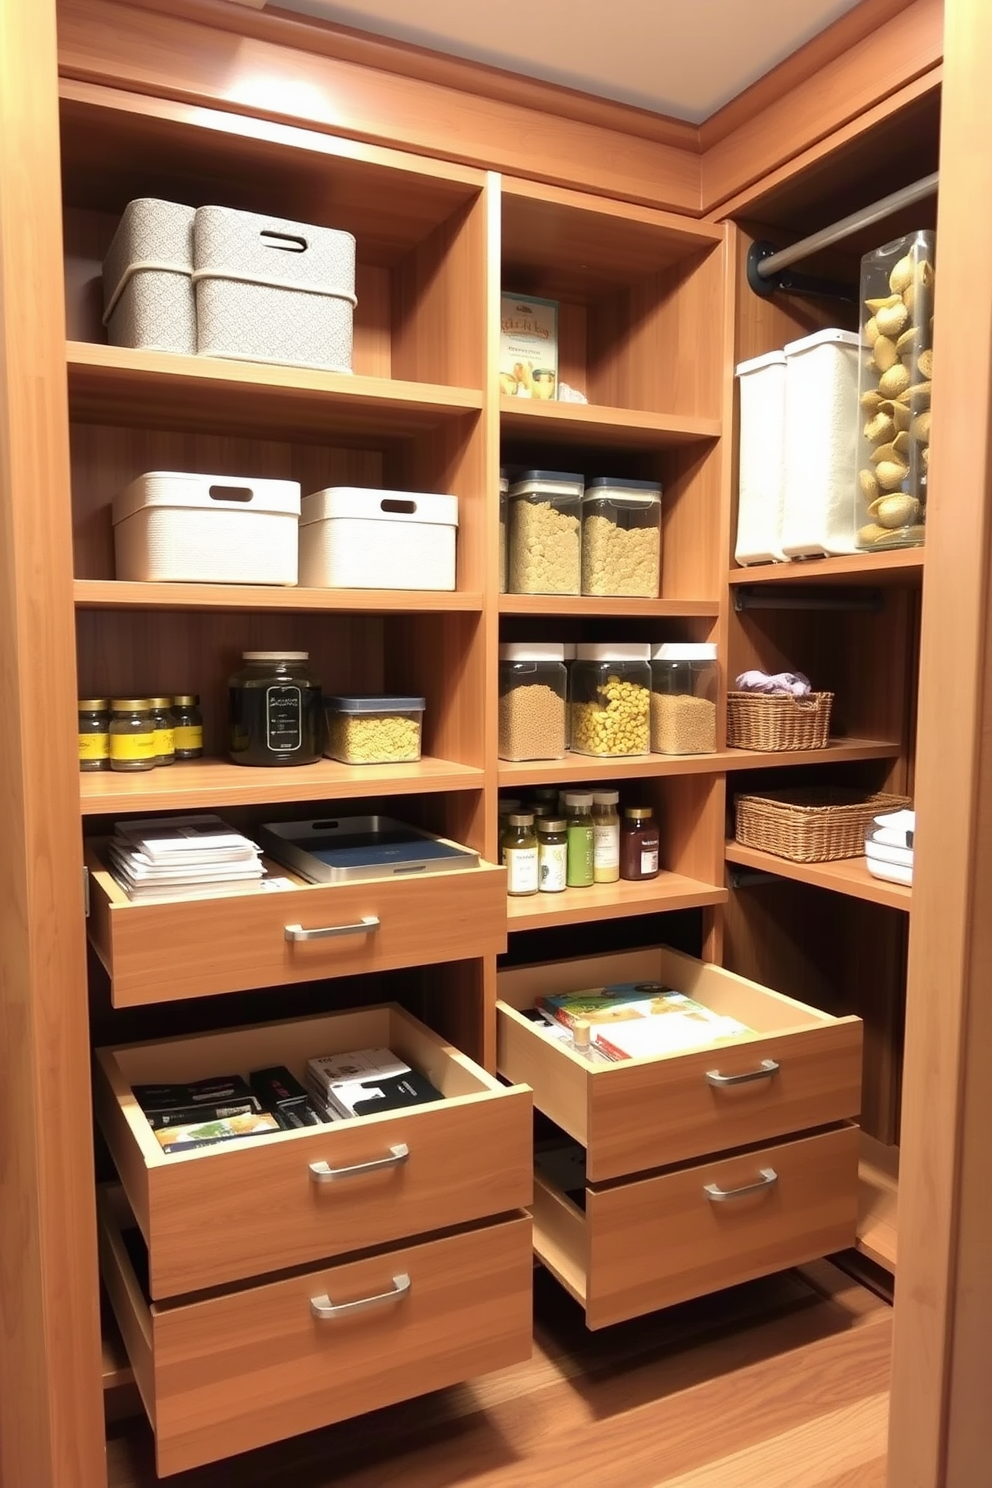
x: 768, y: 721
x: 810, y: 824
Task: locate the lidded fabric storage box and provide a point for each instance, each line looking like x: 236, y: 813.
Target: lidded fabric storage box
x: 357, y: 538
x: 821, y: 434
x: 175, y: 527
x: 147, y: 284
x: 761, y: 481
x: 268, y: 290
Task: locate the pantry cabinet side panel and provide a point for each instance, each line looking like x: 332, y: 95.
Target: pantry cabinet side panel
x: 51, y: 1415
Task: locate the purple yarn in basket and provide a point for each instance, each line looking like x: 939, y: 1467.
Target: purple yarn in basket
x: 792, y: 683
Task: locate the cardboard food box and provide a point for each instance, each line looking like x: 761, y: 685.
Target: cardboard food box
x: 528, y: 347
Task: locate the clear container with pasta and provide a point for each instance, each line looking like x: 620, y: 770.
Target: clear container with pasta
x: 610, y: 699
x: 372, y: 729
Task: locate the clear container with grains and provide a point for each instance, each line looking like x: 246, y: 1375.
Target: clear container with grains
x: 504, y: 489
x: 544, y: 515
x: 532, y: 701
x: 621, y: 538
x: 684, y: 682
x: 94, y: 734
x: 372, y: 729
x: 165, y: 730
x: 897, y: 296
x: 132, y: 734
x: 610, y: 699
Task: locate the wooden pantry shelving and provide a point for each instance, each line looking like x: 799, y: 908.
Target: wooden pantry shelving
x: 589, y: 424
x: 846, y: 876
x: 661, y: 895
x: 582, y: 767
x: 592, y: 607
x: 898, y: 566
x: 114, y: 594
x: 878, y: 1203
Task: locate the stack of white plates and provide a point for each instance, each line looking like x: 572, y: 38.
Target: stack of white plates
x: 889, y: 846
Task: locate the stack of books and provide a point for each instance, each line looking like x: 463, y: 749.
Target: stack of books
x: 181, y: 857
x: 632, y: 1020
x: 365, y: 1082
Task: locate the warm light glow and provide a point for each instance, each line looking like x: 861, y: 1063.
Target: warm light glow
x: 280, y: 95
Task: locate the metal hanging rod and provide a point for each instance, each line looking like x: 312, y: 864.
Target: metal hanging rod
x: 767, y: 265
x: 807, y: 597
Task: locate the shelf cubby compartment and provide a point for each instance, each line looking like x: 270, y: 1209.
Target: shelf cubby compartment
x: 899, y: 566
x: 419, y: 226
x: 669, y: 891
x: 878, y: 1203
x: 845, y: 876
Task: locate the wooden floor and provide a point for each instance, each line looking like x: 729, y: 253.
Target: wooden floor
x: 779, y: 1384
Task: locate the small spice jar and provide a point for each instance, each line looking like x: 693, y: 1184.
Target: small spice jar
x: 552, y: 854
x: 545, y: 513
x: 532, y: 701
x: 683, y: 699
x: 275, y: 710
x: 621, y: 537
x: 605, y: 836
x: 610, y: 708
x: 581, y: 840
x: 94, y: 734
x: 639, y: 844
x: 132, y: 734
x: 188, y: 726
x: 520, y: 854
x: 165, y: 730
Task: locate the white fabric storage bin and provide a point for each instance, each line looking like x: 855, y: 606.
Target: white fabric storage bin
x: 174, y: 527
x: 357, y: 538
x: 268, y: 290
x: 821, y: 444
x: 147, y: 278
x: 761, y: 483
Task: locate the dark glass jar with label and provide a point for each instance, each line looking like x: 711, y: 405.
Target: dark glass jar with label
x: 639, y: 843
x: 275, y: 710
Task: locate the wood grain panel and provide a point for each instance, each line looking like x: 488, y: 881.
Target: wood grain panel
x: 52, y: 1418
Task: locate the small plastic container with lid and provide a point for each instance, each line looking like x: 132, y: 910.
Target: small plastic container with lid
x: 132, y: 734
x: 621, y: 538
x: 94, y: 734
x: 532, y: 701
x: 165, y: 730
x: 189, y: 726
x: 610, y: 699
x: 372, y: 729
x: 545, y: 515
x: 275, y: 710
x: 684, y: 684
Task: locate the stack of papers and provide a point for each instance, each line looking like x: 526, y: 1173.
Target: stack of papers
x: 889, y: 846
x: 182, y: 857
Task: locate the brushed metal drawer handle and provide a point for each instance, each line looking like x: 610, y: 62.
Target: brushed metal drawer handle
x: 765, y: 1070
x: 718, y: 1195
x: 323, y: 1307
x: 364, y: 926
x: 321, y: 1173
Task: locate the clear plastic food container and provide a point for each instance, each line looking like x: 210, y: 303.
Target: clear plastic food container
x: 621, y: 538
x: 373, y: 729
x: 545, y: 514
x: 532, y: 701
x: 504, y: 487
x: 897, y: 295
x: 684, y: 682
x: 610, y: 707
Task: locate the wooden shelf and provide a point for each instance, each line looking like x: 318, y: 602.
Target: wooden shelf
x: 163, y: 390
x: 582, y: 767
x: 625, y: 609
x: 898, y: 566
x: 112, y: 594
x: 669, y: 891
x: 847, y: 876
x: 212, y: 784
x: 878, y: 1198
x: 116, y: 1368
x: 593, y: 424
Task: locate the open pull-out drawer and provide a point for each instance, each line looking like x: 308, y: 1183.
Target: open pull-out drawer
x: 233, y: 1370
x: 160, y: 952
x: 797, y: 1069
x: 254, y: 1204
x: 631, y: 1248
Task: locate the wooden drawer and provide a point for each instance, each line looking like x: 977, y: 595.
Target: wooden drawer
x: 195, y: 947
x: 660, y: 1240
x: 235, y: 1370
x: 255, y: 1204
x: 650, y: 1113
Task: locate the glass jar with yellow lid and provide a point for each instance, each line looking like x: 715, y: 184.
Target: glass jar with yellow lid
x: 132, y: 734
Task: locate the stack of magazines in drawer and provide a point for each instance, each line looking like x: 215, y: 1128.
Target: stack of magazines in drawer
x: 889, y: 846
x: 179, y: 857
x: 632, y: 1020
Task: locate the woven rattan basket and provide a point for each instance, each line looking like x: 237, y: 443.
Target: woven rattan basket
x: 768, y: 722
x: 810, y: 824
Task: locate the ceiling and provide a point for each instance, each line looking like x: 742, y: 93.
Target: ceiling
x: 680, y: 57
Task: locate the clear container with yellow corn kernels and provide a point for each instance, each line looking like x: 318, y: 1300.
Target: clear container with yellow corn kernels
x: 897, y: 295
x: 372, y: 729
x: 610, y: 699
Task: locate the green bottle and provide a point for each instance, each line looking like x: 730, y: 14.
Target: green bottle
x: 579, y: 873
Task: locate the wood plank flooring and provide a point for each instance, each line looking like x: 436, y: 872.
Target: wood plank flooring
x: 782, y: 1383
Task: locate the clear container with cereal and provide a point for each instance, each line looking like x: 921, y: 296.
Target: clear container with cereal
x: 897, y: 297
x: 373, y: 729
x: 532, y: 701
x: 610, y: 699
x: 684, y: 684
x: 544, y: 520
x: 621, y: 538
x: 504, y: 493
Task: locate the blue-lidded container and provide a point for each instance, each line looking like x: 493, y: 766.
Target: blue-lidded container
x: 374, y: 728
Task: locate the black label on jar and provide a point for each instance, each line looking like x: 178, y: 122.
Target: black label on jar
x: 283, y: 719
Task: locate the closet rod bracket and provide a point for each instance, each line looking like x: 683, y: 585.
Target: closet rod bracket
x: 787, y: 281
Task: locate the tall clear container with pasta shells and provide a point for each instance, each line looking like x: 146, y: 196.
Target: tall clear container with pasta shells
x: 897, y: 296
